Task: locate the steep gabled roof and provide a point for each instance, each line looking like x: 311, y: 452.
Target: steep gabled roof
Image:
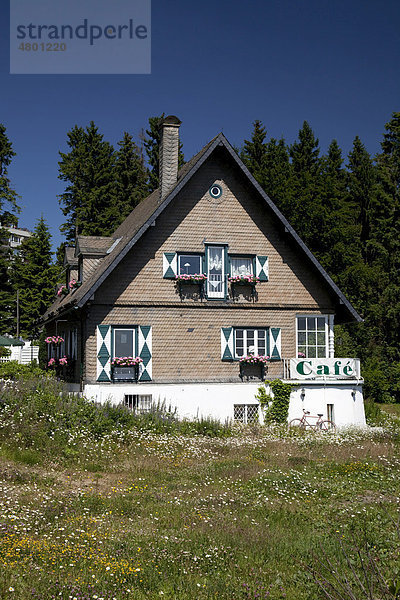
x: 146, y: 213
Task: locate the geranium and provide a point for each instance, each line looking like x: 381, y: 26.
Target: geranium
x: 301, y: 355
x: 54, y: 339
x: 254, y: 359
x: 62, y: 291
x: 194, y: 278
x: 63, y: 361
x: 126, y: 361
x: 52, y: 362
x: 73, y: 284
x: 244, y: 279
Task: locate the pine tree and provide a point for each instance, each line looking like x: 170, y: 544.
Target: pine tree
x: 89, y: 198
x: 254, y: 150
x: 151, y: 144
x: 34, y: 276
x: 8, y: 208
x: 304, y: 207
x: 131, y: 176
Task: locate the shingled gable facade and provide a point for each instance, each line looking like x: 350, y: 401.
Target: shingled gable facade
x: 203, y: 272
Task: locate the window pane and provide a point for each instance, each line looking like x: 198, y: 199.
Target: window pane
x: 312, y: 338
x: 189, y: 264
x: 321, y: 338
x: 301, y: 324
x: 321, y: 351
x: 250, y: 347
x: 302, y: 349
x: 301, y: 338
x: 123, y: 342
x: 241, y: 267
x: 312, y: 352
x: 261, y: 341
x: 321, y: 323
x: 311, y: 323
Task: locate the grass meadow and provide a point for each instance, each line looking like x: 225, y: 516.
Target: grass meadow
x: 98, y: 504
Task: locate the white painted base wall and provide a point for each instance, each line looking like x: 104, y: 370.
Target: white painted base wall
x: 218, y: 399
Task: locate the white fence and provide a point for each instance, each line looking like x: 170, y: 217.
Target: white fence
x: 22, y: 354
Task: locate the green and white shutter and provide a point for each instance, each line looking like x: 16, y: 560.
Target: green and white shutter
x: 170, y: 265
x: 262, y: 270
x: 227, y: 345
x: 103, y: 353
x: 145, y: 349
x: 275, y: 343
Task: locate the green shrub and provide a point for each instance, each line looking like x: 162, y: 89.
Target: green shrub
x: 13, y: 370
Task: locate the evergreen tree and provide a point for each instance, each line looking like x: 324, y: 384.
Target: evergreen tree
x: 131, y: 176
x: 254, y: 151
x: 277, y: 173
x: 8, y: 208
x: 151, y: 144
x: 34, y: 276
x: 89, y: 199
x: 304, y: 207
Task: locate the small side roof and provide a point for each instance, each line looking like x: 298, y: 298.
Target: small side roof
x: 92, y: 244
x: 69, y: 257
x: 8, y: 341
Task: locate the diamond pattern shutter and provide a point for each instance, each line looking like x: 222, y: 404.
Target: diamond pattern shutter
x: 145, y: 352
x: 103, y: 353
x: 275, y: 343
x: 170, y: 265
x: 262, y: 270
x: 227, y: 350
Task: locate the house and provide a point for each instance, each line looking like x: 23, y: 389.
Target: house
x: 16, y: 235
x: 202, y: 273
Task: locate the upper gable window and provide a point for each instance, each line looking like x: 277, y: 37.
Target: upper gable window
x: 241, y: 267
x: 216, y: 271
x: 190, y: 264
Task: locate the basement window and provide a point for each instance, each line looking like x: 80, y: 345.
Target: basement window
x: 245, y: 413
x: 138, y: 404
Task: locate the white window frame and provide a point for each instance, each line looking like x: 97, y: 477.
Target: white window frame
x: 251, y: 259
x: 245, y: 344
x: 307, y: 345
x: 246, y: 409
x: 199, y: 255
x: 134, y: 338
x: 210, y: 292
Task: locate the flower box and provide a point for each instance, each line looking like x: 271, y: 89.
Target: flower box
x: 125, y: 368
x: 56, y: 340
x: 74, y: 284
x: 244, y: 279
x: 62, y: 291
x: 125, y: 373
x: 253, y: 367
x: 195, y: 278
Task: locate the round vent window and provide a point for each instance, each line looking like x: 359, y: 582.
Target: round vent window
x: 215, y: 191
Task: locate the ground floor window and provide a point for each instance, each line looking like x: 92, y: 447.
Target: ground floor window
x: 124, y: 342
x: 250, y: 341
x: 312, y: 336
x: 138, y: 403
x: 245, y: 413
x: 330, y: 412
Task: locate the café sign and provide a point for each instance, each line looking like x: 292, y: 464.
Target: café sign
x: 324, y: 368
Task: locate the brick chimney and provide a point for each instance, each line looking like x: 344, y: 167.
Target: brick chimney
x: 168, y: 154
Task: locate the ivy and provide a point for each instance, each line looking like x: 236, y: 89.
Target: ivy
x: 276, y: 406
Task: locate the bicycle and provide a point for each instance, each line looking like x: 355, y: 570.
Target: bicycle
x: 319, y: 425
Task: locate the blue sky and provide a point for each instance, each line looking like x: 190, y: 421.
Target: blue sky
x: 218, y: 65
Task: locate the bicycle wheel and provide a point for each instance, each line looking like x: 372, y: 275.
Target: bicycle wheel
x: 296, y: 423
x: 327, y: 426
